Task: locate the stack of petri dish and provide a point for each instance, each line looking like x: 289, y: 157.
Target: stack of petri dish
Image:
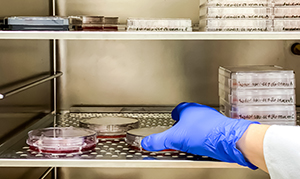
x: 235, y: 15
x: 159, y: 24
x: 94, y: 23
x: 259, y: 93
x: 286, y: 15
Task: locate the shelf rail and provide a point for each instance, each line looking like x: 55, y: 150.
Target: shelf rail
x: 29, y: 85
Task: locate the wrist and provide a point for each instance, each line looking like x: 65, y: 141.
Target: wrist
x: 251, y: 145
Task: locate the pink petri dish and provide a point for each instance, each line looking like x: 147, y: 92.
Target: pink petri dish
x: 135, y: 136
x: 62, y: 140
x: 110, y: 127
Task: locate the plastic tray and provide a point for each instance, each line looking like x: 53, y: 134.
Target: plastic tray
x: 62, y: 140
x: 110, y: 127
x: 247, y: 25
x: 235, y: 12
x: 135, y: 136
x: 143, y: 24
x: 257, y: 97
x: 37, y: 21
x: 264, y: 76
x: 259, y: 112
x: 49, y: 23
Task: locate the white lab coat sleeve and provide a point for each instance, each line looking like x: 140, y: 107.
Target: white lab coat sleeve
x: 282, y: 152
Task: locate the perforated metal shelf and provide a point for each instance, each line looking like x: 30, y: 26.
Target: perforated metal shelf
x: 113, y: 153
x: 115, y: 148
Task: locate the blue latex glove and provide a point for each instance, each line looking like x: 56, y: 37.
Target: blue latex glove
x: 202, y: 130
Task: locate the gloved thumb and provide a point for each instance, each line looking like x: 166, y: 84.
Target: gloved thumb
x: 155, y: 142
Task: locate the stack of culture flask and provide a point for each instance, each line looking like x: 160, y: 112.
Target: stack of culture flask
x: 286, y: 15
x: 235, y: 15
x: 258, y: 93
x: 249, y: 15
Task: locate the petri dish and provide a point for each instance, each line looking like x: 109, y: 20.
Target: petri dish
x: 110, y: 127
x: 62, y: 140
x: 135, y: 136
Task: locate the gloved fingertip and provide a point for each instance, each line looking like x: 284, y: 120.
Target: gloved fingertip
x: 145, y: 143
x: 154, y: 142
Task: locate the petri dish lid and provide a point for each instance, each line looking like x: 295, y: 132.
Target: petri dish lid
x: 109, y: 121
x: 143, y: 132
x: 134, y: 137
x: 61, y: 140
x: 110, y: 126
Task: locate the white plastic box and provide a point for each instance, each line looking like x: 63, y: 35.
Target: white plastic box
x: 267, y: 113
x: 287, y: 11
x: 263, y: 76
x: 243, y: 25
x: 286, y: 2
x: 211, y: 11
x: 153, y: 24
x: 257, y: 96
x: 237, y: 3
x: 286, y: 24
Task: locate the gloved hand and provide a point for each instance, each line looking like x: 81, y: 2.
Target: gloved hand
x: 202, y: 130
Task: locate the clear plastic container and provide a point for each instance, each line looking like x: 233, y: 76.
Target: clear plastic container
x: 257, y: 96
x: 110, y: 127
x: 263, y: 76
x: 62, y: 140
x: 135, y: 136
x: 259, y: 112
x: 48, y: 23
x: 243, y: 25
x: 237, y: 3
x: 144, y: 24
x: 235, y: 12
x: 286, y: 24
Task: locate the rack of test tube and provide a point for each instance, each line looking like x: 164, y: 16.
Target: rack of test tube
x: 249, y: 15
x: 259, y: 93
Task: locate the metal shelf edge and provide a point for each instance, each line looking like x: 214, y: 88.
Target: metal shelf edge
x: 113, y: 163
x: 122, y: 35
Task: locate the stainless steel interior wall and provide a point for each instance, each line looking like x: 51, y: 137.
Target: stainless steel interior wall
x: 156, y: 72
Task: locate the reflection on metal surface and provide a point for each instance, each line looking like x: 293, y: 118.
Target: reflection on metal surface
x: 166, y: 173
